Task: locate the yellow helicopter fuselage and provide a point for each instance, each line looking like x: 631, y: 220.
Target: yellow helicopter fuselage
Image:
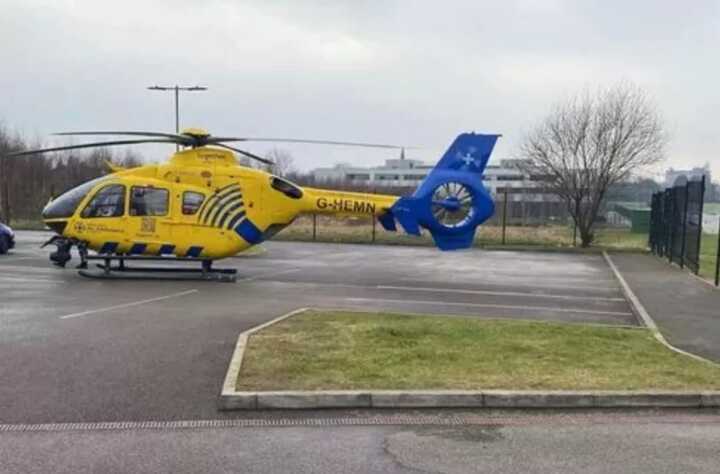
x: 201, y: 203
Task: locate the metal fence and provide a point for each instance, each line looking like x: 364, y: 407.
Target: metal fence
x: 676, y: 224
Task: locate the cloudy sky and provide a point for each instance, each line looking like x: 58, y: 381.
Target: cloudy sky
x: 389, y: 71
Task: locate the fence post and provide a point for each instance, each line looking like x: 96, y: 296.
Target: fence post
x: 575, y: 217
x: 671, y: 226
x: 504, y: 221
x: 314, y: 227
x: 684, y: 226
x: 717, y: 258
x: 373, y: 228
x: 700, y: 223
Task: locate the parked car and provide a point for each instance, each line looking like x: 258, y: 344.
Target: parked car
x: 7, y: 238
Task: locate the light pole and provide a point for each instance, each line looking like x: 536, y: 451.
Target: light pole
x: 177, y: 90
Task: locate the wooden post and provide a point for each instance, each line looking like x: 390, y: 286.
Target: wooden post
x: 314, y: 227
x: 374, y: 219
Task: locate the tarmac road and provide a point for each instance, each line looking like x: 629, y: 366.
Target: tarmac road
x: 82, y: 351
x: 681, y: 442
x: 75, y: 349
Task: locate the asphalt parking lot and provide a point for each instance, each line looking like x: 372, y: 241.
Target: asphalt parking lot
x: 75, y: 349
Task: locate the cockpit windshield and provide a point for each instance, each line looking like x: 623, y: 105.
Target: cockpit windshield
x: 65, y: 205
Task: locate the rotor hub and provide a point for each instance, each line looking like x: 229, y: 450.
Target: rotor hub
x: 452, y: 204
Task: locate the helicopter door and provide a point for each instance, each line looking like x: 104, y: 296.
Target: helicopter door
x: 149, y: 218
x: 103, y: 217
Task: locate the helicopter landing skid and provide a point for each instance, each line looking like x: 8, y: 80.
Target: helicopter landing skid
x: 121, y: 271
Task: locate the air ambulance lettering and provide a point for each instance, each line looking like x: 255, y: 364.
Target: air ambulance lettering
x: 346, y: 205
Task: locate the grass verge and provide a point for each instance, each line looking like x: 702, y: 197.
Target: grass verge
x: 549, y: 237
x: 344, y: 350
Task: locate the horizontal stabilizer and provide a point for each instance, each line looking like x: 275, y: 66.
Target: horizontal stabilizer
x: 406, y: 214
x: 388, y: 222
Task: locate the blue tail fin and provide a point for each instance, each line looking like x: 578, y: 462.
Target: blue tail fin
x: 452, y: 201
x: 469, y: 152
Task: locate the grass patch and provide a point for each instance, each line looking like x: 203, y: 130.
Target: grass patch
x: 345, y: 350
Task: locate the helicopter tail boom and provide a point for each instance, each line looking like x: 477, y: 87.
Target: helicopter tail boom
x: 452, y: 201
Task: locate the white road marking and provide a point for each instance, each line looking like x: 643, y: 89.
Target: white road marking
x: 127, y: 305
x: 30, y: 269
x: 483, y: 305
x: 498, y: 282
x: 268, y: 275
x: 15, y: 259
x: 443, y: 290
x: 28, y: 280
x: 496, y: 293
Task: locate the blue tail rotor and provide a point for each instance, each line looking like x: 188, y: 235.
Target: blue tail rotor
x: 452, y: 201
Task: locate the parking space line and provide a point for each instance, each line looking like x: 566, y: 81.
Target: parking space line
x: 496, y: 282
x: 30, y: 269
x: 485, y: 305
x: 497, y: 293
x: 15, y: 259
x: 28, y: 280
x: 269, y: 274
x: 127, y: 305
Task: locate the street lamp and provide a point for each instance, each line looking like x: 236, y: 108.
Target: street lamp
x: 177, y: 90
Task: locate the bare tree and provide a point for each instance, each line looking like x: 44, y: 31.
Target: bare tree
x: 591, y: 142
x: 284, y: 162
x: 28, y: 182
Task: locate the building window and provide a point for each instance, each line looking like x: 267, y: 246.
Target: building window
x: 148, y: 201
x: 191, y: 202
x: 109, y: 201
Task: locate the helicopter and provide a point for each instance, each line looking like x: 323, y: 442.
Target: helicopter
x: 203, y: 205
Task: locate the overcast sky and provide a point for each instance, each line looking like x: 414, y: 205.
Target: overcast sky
x: 406, y: 72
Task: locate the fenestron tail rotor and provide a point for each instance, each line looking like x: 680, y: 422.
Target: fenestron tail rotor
x: 452, y: 204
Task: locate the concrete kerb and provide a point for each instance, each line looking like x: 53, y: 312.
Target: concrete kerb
x: 231, y: 399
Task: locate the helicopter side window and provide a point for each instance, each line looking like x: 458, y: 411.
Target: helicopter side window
x: 148, y: 201
x: 109, y: 201
x: 286, y: 187
x: 192, y: 202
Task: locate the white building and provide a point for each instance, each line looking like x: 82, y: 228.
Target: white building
x: 396, y: 172
x: 403, y: 172
x: 672, y: 175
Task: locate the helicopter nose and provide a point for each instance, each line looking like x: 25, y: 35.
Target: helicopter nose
x: 53, y: 216
x: 57, y: 226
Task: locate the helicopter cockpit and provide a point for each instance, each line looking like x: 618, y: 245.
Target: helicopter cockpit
x: 64, y: 206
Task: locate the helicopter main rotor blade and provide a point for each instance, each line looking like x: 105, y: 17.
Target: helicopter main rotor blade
x: 215, y: 140
x: 246, y: 153
x: 85, y: 145
x: 174, y: 136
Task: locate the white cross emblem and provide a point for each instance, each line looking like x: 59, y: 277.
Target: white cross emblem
x: 467, y: 158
